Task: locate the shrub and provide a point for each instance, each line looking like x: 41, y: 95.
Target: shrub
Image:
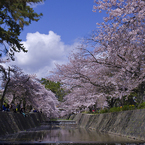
x: 125, y: 107
x: 115, y: 109
x: 141, y: 106
x: 104, y: 110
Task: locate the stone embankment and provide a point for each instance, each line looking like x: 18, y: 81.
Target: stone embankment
x: 126, y: 123
x: 14, y: 122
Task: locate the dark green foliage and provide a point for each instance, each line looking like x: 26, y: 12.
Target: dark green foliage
x: 112, y: 101
x: 55, y: 87
x: 125, y: 100
x: 139, y: 93
x: 14, y: 15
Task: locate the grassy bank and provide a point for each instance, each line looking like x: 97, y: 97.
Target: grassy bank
x: 117, y: 109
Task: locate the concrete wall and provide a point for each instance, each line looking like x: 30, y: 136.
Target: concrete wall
x: 14, y: 122
x: 125, y: 123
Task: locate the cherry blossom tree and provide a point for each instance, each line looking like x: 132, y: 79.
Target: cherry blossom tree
x: 111, y: 61
x: 122, y: 40
x: 86, y: 81
x: 24, y: 87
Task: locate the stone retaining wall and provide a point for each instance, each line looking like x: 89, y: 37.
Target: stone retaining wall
x: 14, y: 122
x: 126, y: 123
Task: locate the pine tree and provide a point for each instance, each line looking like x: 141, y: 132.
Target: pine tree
x: 14, y: 15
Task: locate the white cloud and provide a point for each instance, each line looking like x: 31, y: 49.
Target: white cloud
x: 34, y: 5
x: 44, y: 50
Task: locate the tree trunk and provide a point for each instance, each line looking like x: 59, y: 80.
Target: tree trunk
x: 7, y: 76
x: 4, y: 92
x: 113, y: 100
x: 141, y: 92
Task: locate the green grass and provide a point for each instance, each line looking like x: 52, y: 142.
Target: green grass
x: 53, y: 119
x: 64, y: 119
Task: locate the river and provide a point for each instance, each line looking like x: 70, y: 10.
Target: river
x: 46, y: 134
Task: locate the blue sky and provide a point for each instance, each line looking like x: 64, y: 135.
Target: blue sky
x: 70, y: 19
x: 56, y: 34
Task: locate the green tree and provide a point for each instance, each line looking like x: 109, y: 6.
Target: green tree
x: 14, y: 15
x: 55, y: 87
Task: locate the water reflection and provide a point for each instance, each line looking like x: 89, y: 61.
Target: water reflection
x: 47, y: 134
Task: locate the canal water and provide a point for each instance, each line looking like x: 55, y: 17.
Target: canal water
x: 46, y: 134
